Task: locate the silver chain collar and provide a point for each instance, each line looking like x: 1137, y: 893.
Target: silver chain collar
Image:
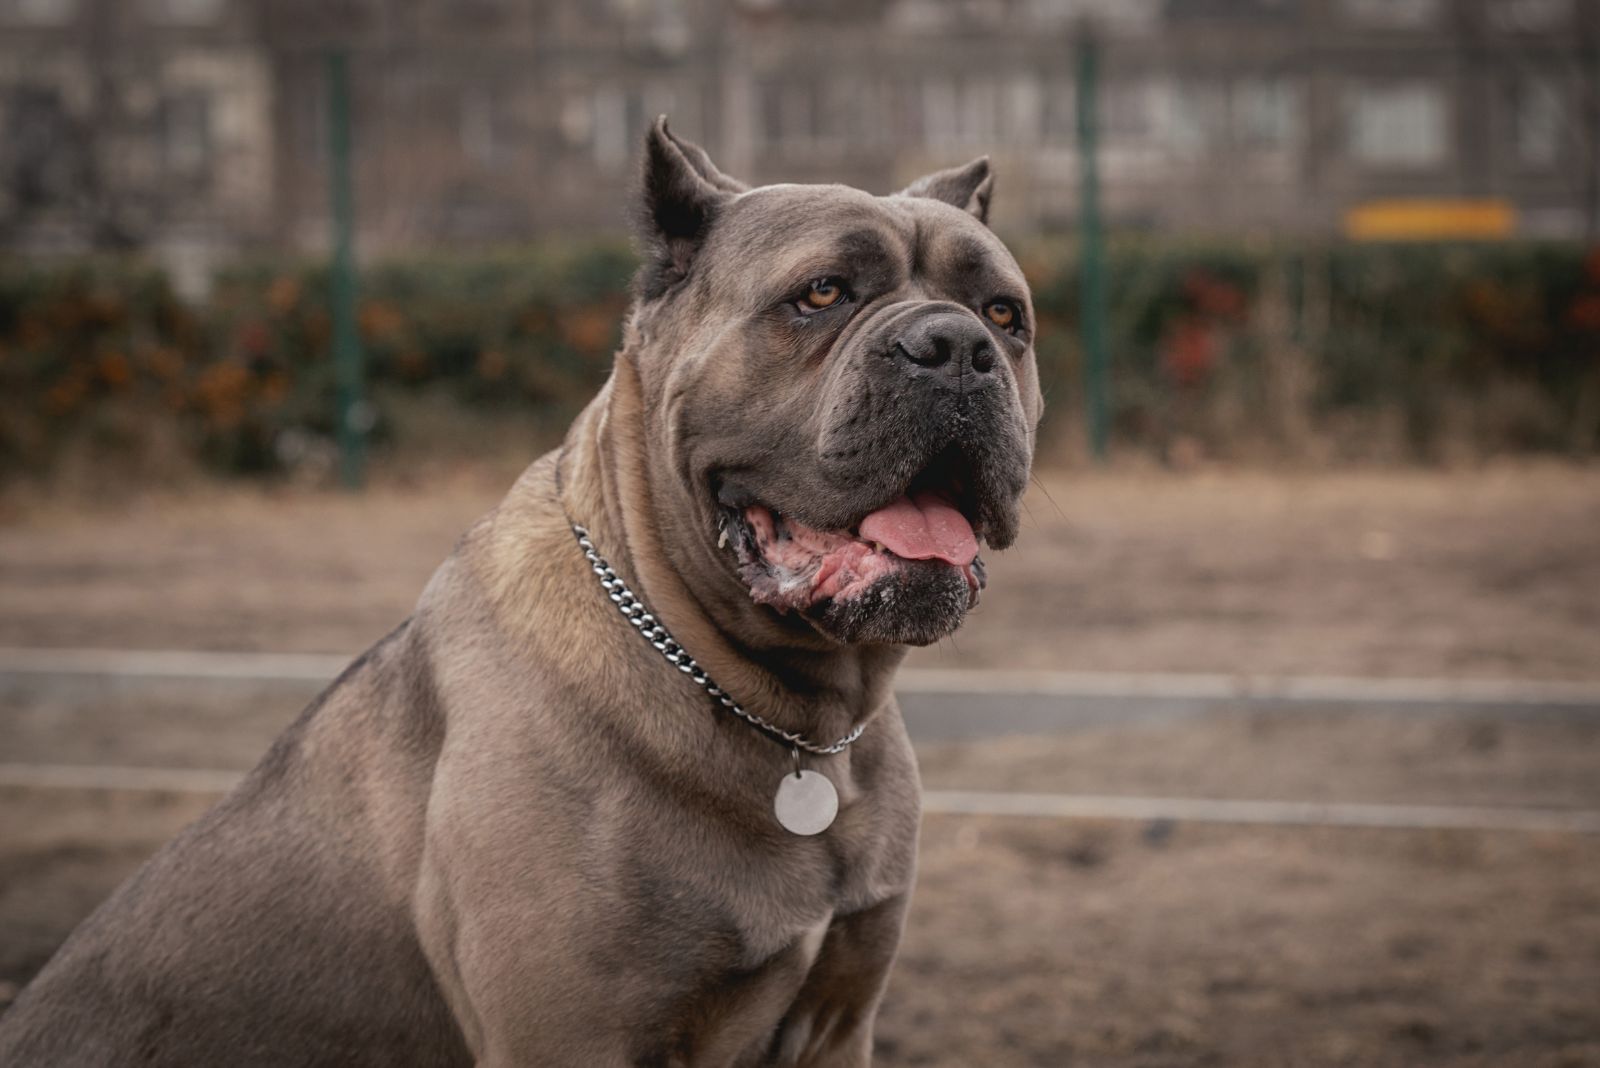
x: 634, y: 611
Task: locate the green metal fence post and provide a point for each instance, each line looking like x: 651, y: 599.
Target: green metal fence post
x: 1092, y: 269
x: 354, y: 415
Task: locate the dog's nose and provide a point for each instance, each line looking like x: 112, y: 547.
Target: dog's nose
x: 949, y: 338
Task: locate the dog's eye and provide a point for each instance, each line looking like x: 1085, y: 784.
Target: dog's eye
x: 824, y: 293
x: 1003, y: 313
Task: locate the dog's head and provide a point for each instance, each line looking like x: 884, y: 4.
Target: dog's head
x: 842, y: 386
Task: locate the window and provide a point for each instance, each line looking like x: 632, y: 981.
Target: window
x: 1530, y: 15
x: 1024, y: 109
x: 471, y: 14
x: 1398, y: 125
x: 980, y: 115
x: 1540, y: 117
x: 620, y: 116
x: 789, y: 113
x: 609, y: 114
x: 184, y: 12
x: 659, y: 26
x: 1127, y: 110
x: 913, y: 16
x: 903, y: 118
x: 963, y: 114
x: 940, y: 113
x: 1196, y: 116
x: 40, y: 12
x: 852, y: 112
x: 1241, y: 10
x: 37, y: 149
x: 1393, y: 14
x: 1060, y: 119
x: 479, y: 140
x: 1114, y: 15
x: 313, y: 123
x: 186, y: 134
x: 1266, y: 113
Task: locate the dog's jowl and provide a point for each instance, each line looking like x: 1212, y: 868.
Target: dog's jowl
x: 549, y: 819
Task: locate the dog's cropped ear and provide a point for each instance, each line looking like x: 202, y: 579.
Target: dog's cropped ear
x: 681, y: 193
x: 968, y: 187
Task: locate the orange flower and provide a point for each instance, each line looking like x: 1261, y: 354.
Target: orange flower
x: 380, y: 321
x: 492, y: 365
x: 412, y: 363
x: 1040, y: 272
x: 1591, y: 264
x: 115, y: 369
x: 64, y: 396
x: 1213, y: 296
x: 589, y: 330
x: 319, y: 328
x: 165, y: 363
x: 254, y: 338
x: 1189, y: 352
x: 283, y: 294
x: 1585, y: 312
x: 221, y: 387
x: 275, y: 389
x: 32, y: 332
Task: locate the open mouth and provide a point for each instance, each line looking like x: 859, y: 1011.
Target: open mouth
x: 789, y: 565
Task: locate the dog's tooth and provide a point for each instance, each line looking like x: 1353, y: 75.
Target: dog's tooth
x: 722, y: 541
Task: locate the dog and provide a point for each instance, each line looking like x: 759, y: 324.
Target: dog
x: 513, y: 832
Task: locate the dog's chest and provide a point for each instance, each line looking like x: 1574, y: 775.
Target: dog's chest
x: 783, y: 897
x: 768, y: 1002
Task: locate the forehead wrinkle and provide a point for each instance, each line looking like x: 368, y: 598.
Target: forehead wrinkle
x: 858, y: 253
x: 780, y: 224
x: 953, y: 251
x: 770, y: 215
x: 963, y: 260
x: 965, y: 255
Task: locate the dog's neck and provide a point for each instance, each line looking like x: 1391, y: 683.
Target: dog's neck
x: 779, y: 667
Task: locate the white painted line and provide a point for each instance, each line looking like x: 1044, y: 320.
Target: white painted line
x: 963, y: 803
x: 100, y: 777
x: 1200, y: 687
x: 322, y: 667
x: 175, y: 664
x: 1278, y: 813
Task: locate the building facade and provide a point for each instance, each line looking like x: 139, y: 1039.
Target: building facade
x: 200, y: 127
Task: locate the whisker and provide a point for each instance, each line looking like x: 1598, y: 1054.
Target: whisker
x: 1046, y: 491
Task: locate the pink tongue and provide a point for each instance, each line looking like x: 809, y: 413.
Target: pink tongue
x: 923, y: 527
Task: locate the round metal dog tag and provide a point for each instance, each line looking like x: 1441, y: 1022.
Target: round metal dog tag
x: 806, y: 803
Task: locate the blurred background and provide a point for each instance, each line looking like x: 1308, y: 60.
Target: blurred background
x: 1275, y: 741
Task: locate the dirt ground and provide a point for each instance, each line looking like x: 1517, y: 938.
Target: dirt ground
x: 1483, y: 573
x: 1547, y: 760
x: 1053, y: 944
x: 1031, y: 942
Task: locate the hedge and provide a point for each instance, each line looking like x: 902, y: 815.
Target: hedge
x: 1393, y: 352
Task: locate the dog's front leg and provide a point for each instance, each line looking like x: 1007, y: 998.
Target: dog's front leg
x: 553, y: 948
x: 513, y: 971
x: 830, y: 1023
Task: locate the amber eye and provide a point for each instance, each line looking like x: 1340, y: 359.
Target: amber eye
x: 824, y: 293
x: 1002, y: 313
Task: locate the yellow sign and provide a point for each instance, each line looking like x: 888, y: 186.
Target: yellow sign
x: 1430, y: 220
